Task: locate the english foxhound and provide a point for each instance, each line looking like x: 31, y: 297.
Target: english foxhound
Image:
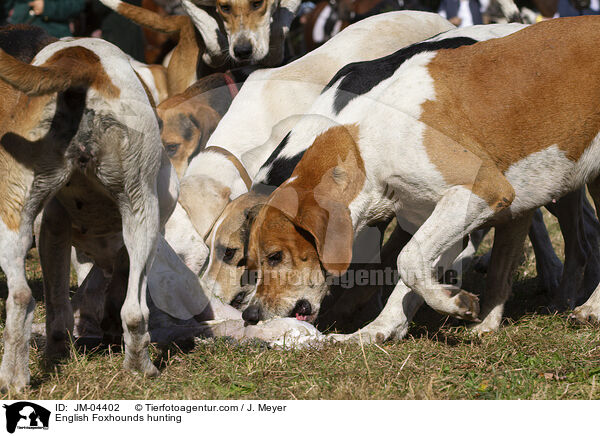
x: 450, y: 135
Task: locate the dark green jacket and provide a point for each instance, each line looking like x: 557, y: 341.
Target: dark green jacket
x: 120, y: 31
x: 54, y: 19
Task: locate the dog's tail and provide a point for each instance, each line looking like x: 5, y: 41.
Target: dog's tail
x: 147, y: 18
x: 67, y: 68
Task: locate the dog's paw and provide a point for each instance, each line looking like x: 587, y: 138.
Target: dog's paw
x: 359, y: 337
x: 14, y: 382
x: 459, y: 304
x: 586, y: 314
x: 484, y: 328
x: 467, y: 306
x: 141, y: 365
x: 57, y: 346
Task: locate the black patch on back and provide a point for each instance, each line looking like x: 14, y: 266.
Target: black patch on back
x: 280, y: 168
x: 23, y: 41
x: 277, y: 151
x: 358, y: 78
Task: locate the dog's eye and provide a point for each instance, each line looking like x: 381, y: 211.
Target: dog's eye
x: 228, y: 254
x: 275, y: 259
x: 225, y: 8
x: 238, y: 300
x: 256, y: 4
x: 171, y: 149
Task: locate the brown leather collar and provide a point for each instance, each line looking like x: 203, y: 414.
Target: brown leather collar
x: 235, y: 161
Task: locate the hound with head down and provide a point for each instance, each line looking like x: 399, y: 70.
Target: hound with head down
x: 77, y: 133
x: 228, y: 238
x: 265, y: 109
x: 460, y: 144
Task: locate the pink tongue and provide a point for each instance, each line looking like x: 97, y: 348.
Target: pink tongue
x: 301, y: 317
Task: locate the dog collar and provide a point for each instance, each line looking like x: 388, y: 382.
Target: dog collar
x: 235, y: 161
x: 233, y: 89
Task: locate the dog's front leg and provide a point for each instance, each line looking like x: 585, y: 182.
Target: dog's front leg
x: 55, y: 258
x: 392, y: 322
x: 506, y: 253
x: 458, y: 212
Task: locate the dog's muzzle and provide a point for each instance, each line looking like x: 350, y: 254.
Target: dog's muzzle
x: 243, y: 50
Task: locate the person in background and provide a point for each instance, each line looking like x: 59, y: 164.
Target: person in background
x: 51, y: 15
x: 573, y: 8
x: 3, y: 14
x: 120, y: 31
x: 461, y: 13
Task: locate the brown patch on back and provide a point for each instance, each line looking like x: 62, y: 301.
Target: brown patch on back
x: 69, y: 67
x: 504, y: 99
x: 84, y: 63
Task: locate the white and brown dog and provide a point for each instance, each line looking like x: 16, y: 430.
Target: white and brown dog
x: 269, y: 102
x: 77, y: 130
x: 458, y: 132
x: 236, y: 32
x: 228, y: 239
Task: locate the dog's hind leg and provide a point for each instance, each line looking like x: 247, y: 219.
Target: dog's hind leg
x: 590, y: 310
x: 548, y: 265
x: 569, y: 211
x: 55, y: 256
x: 506, y: 252
x: 591, y: 237
x: 140, y: 214
x: 20, y: 304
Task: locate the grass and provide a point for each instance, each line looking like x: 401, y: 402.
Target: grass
x: 535, y: 355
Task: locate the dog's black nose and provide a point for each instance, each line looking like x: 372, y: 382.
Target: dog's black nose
x: 303, y: 308
x: 243, y: 50
x: 251, y: 314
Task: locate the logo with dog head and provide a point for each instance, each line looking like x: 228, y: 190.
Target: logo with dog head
x: 26, y: 415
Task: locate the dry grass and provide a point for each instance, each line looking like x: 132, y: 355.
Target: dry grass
x: 535, y: 356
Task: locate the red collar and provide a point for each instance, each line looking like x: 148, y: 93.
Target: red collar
x: 233, y: 89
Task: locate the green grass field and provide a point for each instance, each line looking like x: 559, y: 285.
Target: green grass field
x: 536, y: 355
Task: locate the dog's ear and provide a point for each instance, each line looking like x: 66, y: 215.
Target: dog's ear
x: 204, y: 199
x: 329, y: 223
x: 326, y: 219
x: 214, y: 39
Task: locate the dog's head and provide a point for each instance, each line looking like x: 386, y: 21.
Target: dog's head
x: 255, y: 29
x: 305, y: 231
x: 247, y: 23
x: 185, y: 128
x: 225, y: 275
